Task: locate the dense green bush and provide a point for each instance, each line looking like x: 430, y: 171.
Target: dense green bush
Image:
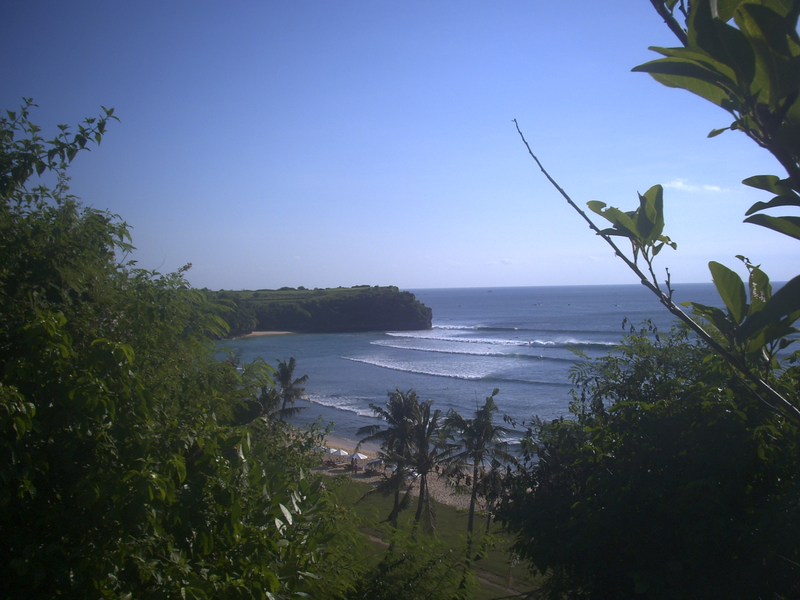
x: 670, y: 480
x: 123, y: 474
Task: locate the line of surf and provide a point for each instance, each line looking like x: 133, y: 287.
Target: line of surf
x: 470, y: 352
x: 476, y: 375
x: 579, y: 343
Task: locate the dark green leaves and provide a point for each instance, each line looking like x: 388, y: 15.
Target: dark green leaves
x: 27, y: 152
x: 750, y: 68
x: 786, y: 225
x: 774, y: 316
x: 760, y: 326
x: 117, y: 432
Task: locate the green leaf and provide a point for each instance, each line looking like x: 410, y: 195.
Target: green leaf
x: 650, y: 216
x: 760, y: 290
x: 271, y: 580
x: 713, y: 315
x: 782, y: 308
x: 785, y: 200
x: 786, y: 225
x: 287, y: 515
x: 693, y: 78
x: 731, y: 289
x: 702, y: 59
x: 722, y: 42
x: 623, y: 223
x: 769, y: 183
x: 716, y: 132
x: 772, y: 36
x: 723, y: 9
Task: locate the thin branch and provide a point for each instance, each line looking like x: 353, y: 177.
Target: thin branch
x: 775, y: 398
x: 670, y: 20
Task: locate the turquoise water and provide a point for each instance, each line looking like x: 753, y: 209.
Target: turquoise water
x: 516, y: 339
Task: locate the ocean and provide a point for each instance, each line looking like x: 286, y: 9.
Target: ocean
x: 516, y: 339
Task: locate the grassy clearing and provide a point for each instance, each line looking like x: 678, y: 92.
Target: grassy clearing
x: 494, y: 570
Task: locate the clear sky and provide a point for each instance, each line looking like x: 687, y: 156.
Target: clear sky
x: 346, y: 142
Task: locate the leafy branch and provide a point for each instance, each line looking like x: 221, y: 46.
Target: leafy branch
x: 19, y: 158
x: 647, y: 243
x: 751, y: 69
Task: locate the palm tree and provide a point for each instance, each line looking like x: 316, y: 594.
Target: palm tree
x: 429, y: 450
x: 397, y: 440
x: 273, y: 408
x: 289, y: 390
x: 481, y: 442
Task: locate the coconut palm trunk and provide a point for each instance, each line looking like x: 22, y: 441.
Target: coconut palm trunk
x: 481, y: 442
x: 396, y: 442
x: 473, y: 499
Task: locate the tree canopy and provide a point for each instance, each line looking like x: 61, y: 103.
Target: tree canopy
x: 124, y: 472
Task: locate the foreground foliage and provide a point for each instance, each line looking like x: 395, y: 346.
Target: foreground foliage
x: 669, y: 481
x: 676, y: 477
x: 124, y: 473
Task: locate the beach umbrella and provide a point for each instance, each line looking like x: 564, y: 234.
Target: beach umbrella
x: 339, y: 452
x: 359, y: 456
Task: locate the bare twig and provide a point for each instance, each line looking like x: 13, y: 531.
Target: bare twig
x: 776, y: 401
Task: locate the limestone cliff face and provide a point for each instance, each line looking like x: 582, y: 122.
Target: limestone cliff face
x: 336, y: 310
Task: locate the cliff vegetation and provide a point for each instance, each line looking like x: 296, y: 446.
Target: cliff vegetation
x: 331, y: 310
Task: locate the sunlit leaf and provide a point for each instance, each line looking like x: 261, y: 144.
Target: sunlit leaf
x: 731, y: 289
x: 723, y: 9
x: 623, y: 223
x: 650, y: 216
x: 774, y: 76
x: 695, y: 80
x: 287, y: 515
x: 784, y: 306
x: 760, y: 289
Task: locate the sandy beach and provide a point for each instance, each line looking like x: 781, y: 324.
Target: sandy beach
x: 263, y: 333
x: 439, y: 489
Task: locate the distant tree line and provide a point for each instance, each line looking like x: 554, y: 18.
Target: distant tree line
x: 333, y: 310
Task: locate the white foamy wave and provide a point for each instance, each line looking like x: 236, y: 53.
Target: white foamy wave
x: 469, y: 375
x: 532, y: 343
x: 353, y: 405
x: 468, y: 340
x: 468, y: 352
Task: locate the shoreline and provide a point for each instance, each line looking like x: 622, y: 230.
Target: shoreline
x: 264, y: 333
x: 439, y: 489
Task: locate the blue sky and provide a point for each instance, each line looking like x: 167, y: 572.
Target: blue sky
x: 346, y: 142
